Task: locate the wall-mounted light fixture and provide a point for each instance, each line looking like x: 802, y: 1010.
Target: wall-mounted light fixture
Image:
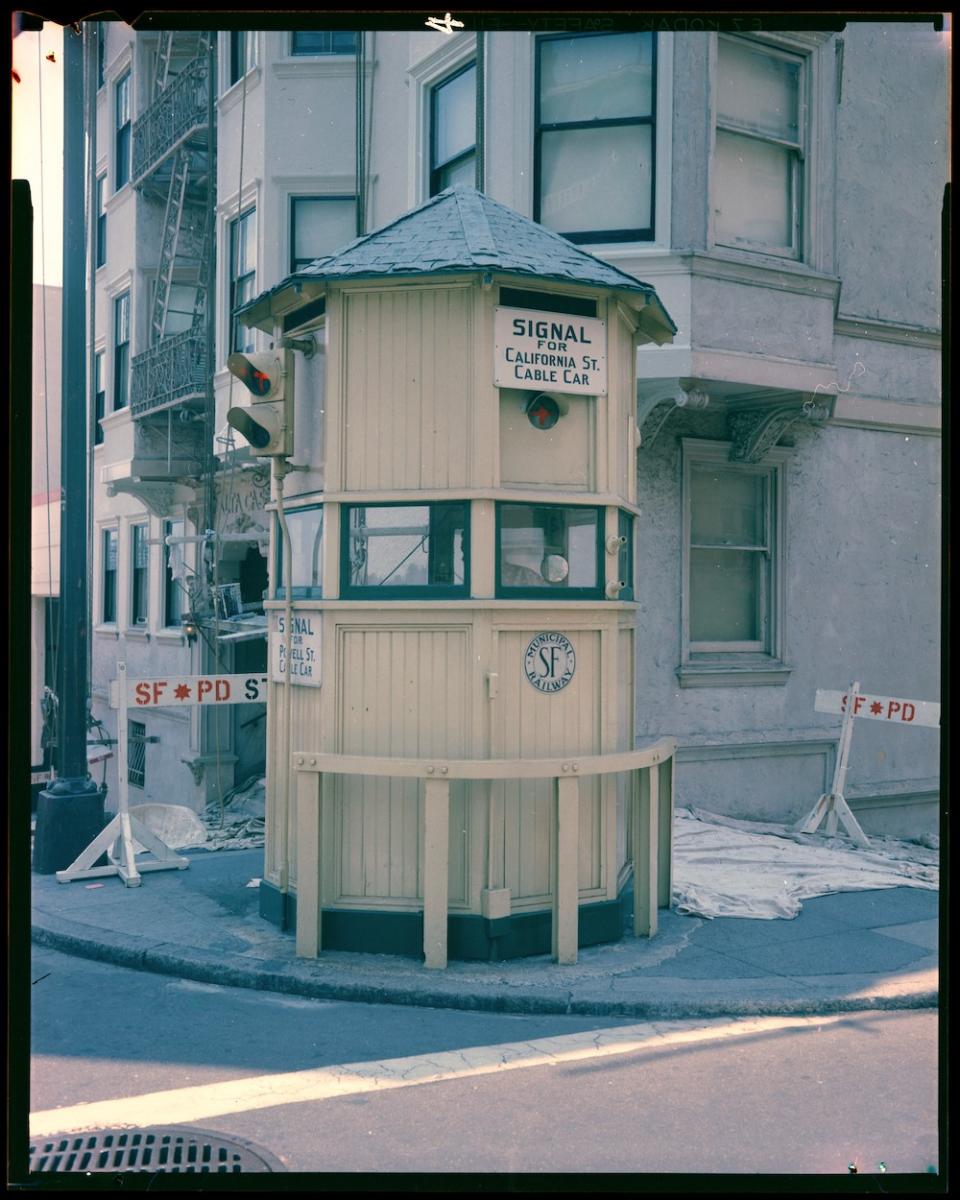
x: 190, y: 629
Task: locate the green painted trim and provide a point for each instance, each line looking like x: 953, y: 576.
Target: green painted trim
x: 470, y: 937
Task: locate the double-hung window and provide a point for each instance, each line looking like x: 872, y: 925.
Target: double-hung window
x: 319, y: 225
x: 101, y: 231
x: 173, y: 591
x: 595, y: 138
x: 108, y: 600
x: 405, y: 550
x: 243, y: 276
x: 99, y: 397
x: 758, y: 165
x: 139, y: 574
x: 243, y: 48
x: 323, y: 41
x: 733, y: 548
x: 122, y: 127
x: 453, y: 130
x: 121, y: 351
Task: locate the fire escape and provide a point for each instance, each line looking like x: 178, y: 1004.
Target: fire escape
x: 174, y: 171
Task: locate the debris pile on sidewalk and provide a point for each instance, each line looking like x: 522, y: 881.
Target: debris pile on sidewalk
x: 724, y: 867
x: 237, y: 824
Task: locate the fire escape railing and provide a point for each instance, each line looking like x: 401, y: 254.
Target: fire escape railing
x: 177, y: 111
x: 170, y: 371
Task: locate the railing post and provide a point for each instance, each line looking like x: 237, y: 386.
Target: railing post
x: 309, y: 858
x: 665, y: 857
x: 645, y: 849
x: 436, y: 851
x: 566, y: 891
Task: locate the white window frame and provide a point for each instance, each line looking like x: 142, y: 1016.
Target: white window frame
x: 291, y: 53
x: 114, y: 624
x: 139, y: 625
x: 292, y: 197
x: 451, y: 55
x: 248, y: 206
x: 738, y: 663
x: 251, y: 54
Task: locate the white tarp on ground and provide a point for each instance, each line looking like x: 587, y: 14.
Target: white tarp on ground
x: 729, y: 868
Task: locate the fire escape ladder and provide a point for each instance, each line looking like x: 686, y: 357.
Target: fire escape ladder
x: 172, y: 218
x: 164, y: 54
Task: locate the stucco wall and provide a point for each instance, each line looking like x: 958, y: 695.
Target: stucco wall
x: 862, y: 589
x: 891, y: 164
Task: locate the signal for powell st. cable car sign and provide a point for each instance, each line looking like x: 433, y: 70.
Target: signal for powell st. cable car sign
x: 550, y: 352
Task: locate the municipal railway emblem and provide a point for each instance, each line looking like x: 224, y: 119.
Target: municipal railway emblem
x: 549, y: 662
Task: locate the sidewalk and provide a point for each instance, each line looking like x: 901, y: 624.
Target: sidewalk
x: 844, y: 952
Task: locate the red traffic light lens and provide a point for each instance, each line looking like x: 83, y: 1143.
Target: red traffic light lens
x: 253, y: 379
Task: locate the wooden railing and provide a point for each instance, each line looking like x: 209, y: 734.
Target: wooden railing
x: 650, y: 828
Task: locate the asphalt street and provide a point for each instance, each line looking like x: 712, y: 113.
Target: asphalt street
x: 334, y: 1086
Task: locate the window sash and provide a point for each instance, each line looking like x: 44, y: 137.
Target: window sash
x: 99, y: 398
x: 139, y: 575
x: 243, y: 274
x: 762, y: 551
x: 434, y: 536
x: 323, y: 41
x: 122, y: 123
x: 306, y: 552
x: 108, y: 606
x: 449, y: 147
x: 101, y: 52
x: 172, y: 590
x: 641, y: 226
x: 101, y: 235
x: 314, y: 204
x: 121, y: 351
x: 760, y: 143
x: 242, y: 53
x: 532, y: 589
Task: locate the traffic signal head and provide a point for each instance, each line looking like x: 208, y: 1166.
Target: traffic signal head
x: 261, y: 374
x: 266, y: 428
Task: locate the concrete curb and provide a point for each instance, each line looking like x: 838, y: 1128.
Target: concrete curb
x: 299, y: 978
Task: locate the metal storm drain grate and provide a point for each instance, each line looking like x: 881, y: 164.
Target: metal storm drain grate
x: 173, y: 1149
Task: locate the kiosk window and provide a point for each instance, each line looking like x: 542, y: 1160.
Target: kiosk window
x: 406, y: 550
x: 306, y: 553
x: 549, y: 547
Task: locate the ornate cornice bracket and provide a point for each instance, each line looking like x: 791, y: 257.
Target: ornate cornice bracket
x: 655, y: 407
x: 159, y: 497
x: 753, y: 431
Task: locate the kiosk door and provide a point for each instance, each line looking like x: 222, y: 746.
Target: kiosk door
x: 542, y: 710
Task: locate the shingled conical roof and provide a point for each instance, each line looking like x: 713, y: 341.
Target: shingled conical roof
x: 462, y: 229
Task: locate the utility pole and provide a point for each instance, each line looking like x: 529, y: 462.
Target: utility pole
x: 70, y: 810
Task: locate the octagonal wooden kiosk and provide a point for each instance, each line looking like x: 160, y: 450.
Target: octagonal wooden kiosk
x: 451, y: 759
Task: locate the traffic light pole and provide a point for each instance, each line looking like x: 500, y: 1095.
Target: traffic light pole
x: 70, y: 811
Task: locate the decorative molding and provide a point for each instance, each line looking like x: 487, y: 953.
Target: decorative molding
x: 754, y: 431
x: 234, y: 94
x: 158, y: 497
x: 731, y: 675
x: 305, y: 66
x: 196, y: 767
x: 655, y: 406
x: 754, y: 271
x: 711, y: 751
x: 872, y: 328
x: 887, y: 416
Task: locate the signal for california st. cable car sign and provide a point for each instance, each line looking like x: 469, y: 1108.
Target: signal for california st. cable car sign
x: 881, y: 708
x: 549, y: 352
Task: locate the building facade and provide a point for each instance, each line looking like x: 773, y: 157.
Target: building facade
x: 781, y: 192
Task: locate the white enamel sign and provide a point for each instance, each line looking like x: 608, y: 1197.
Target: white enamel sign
x: 549, y: 662
x: 881, y: 708
x: 304, y: 649
x: 552, y: 352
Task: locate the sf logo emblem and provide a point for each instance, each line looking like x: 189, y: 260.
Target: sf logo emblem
x: 549, y: 662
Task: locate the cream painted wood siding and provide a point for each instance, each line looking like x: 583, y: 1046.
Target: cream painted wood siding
x: 409, y: 379
x: 400, y: 693
x: 625, y: 727
x: 526, y: 723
